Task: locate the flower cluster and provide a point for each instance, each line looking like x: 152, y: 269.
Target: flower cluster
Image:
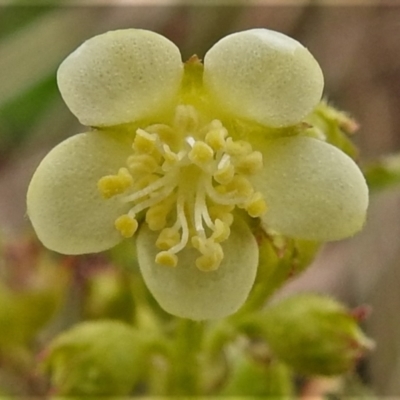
x: 183, y: 156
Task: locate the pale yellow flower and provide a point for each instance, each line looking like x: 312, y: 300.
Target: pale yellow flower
x: 183, y: 156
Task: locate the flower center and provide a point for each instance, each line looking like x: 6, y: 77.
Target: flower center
x: 189, y: 177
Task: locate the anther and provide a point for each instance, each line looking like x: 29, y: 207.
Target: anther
x: 211, y: 260
x: 167, y: 258
x: 144, y: 142
x: 168, y: 238
x: 111, y: 185
x: 238, y: 148
x: 221, y: 232
x: 141, y: 164
x: 156, y: 216
x: 256, y: 206
x: 241, y: 186
x: 201, y: 153
x: 250, y: 163
x: 216, y: 138
x: 222, y: 212
x: 126, y: 225
x: 170, y: 158
x: 225, y: 174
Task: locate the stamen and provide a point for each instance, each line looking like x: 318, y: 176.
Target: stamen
x: 169, y: 237
x: 198, y: 168
x: 225, y: 170
x: 201, y: 153
x: 171, y: 159
x: 164, y: 181
x: 180, y: 210
x: 140, y: 164
x: 144, y: 142
x: 227, y: 199
x: 249, y: 164
x: 238, y: 147
x: 167, y: 258
x: 111, y: 185
x: 151, y: 201
x: 240, y: 185
x: 216, y: 138
x: 256, y: 206
x: 126, y: 225
x: 222, y: 212
x: 221, y: 232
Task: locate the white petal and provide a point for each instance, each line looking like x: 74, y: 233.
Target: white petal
x: 120, y: 76
x: 64, y: 205
x: 312, y: 189
x: 264, y: 76
x: 187, y: 292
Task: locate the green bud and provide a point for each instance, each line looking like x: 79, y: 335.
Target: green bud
x: 314, y: 334
x: 254, y: 377
x: 95, y: 358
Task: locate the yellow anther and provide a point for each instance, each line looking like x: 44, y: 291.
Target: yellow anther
x: 217, y: 210
x: 221, y: 231
x: 241, y: 186
x: 238, y: 148
x: 144, y: 142
x: 221, y: 189
x: 250, y: 164
x: 164, y: 132
x: 111, y: 185
x: 225, y: 174
x: 221, y: 212
x: 216, y: 138
x: 126, y: 225
x: 167, y: 258
x: 201, y: 153
x: 211, y: 260
x: 256, y: 206
x: 139, y: 164
x: 168, y: 238
x: 156, y: 216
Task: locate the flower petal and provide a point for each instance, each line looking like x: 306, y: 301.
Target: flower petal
x: 120, y: 76
x: 264, y: 76
x: 65, y: 207
x: 312, y: 189
x: 187, y: 292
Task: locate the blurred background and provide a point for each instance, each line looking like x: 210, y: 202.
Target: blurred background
x: 358, y: 47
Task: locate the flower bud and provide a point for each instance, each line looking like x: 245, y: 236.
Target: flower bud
x: 314, y: 334
x: 254, y: 377
x: 95, y: 358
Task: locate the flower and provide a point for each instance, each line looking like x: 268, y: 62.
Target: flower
x: 183, y: 156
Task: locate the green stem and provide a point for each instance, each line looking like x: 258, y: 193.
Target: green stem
x: 185, y: 368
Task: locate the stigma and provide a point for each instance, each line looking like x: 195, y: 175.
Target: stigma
x: 185, y: 179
